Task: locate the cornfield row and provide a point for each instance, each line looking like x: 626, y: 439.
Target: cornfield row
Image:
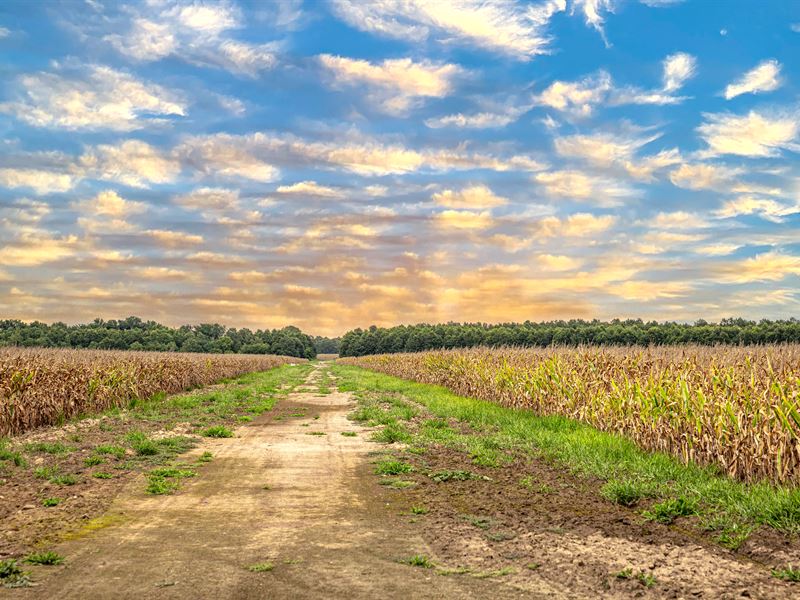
x: 738, y: 408
x: 41, y: 387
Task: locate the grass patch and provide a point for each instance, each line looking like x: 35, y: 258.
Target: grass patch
x: 419, y: 510
x: 393, y: 467
x: 218, y: 431
x: 589, y: 452
x: 44, y: 558
x: 787, y: 574
x: 115, y: 451
x: 262, y: 567
x: 12, y: 575
x: 349, y: 434
x: 624, y: 492
x: 669, y: 510
x: 102, y: 475
x: 50, y: 502
x: 497, y: 573
x: 391, y: 433
x: 48, y: 448
x: 205, y: 457
x: 12, y: 456
x: 419, y: 560
x: 91, y: 461
x: 315, y: 433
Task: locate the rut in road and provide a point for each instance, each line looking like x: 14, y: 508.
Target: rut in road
x: 279, y: 492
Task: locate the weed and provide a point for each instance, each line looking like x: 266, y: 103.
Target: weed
x: 624, y: 574
x: 498, y: 573
x: 11, y: 455
x: 391, y: 433
x: 218, y: 431
x: 159, y: 486
x: 393, y: 467
x: 51, y: 502
x: 666, y: 512
x: 205, y: 457
x: 349, y: 434
x: 623, y: 492
x: 141, y: 444
x: 64, y: 479
x: 787, y: 574
x: 262, y: 567
x: 173, y: 472
x: 315, y: 433
x: 11, y: 575
x: 419, y: 510
x: 48, y: 447
x: 115, y: 451
x: 419, y: 560
x: 533, y: 566
x: 45, y: 472
x: 646, y: 579
x: 91, y: 461
x: 44, y: 558
x: 102, y: 475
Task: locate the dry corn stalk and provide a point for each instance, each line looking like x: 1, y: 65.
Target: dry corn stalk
x: 41, y: 387
x: 737, y: 407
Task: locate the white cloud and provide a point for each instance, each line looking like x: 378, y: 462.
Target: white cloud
x: 208, y: 200
x: 109, y: 204
x: 310, y: 188
x: 575, y: 225
x: 703, y: 176
x: 766, y: 208
x: 482, y: 120
x: 195, y: 33
x: 96, y: 98
x: 4, y: 32
x: 40, y: 181
x: 763, y: 78
x: 501, y: 26
x: 396, y: 83
x: 578, y: 97
x: 133, y: 162
x: 476, y: 197
x: 603, y: 149
x: 464, y: 219
x: 753, y: 134
x: 678, y: 69
x: 768, y: 266
x: 221, y: 155
x: 593, y: 13
x: 580, y: 186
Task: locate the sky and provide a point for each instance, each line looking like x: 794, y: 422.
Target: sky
x: 336, y: 164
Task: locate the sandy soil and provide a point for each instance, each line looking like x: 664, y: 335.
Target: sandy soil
x: 319, y: 523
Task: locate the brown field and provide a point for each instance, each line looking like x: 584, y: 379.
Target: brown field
x: 736, y: 407
x: 41, y: 386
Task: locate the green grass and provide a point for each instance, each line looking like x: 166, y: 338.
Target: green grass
x: 48, y: 448
x: 419, y: 560
x: 391, y: 433
x: 787, y: 574
x: 669, y: 510
x: 44, y: 558
x: 102, y: 475
x: 349, y: 434
x: 625, y: 492
x: 585, y: 451
x: 11, y: 575
x: 393, y: 467
x: 205, y: 457
x: 262, y: 567
x: 49, y: 502
x: 218, y: 431
x: 91, y: 461
x: 450, y: 475
x: 115, y: 451
x: 419, y: 510
x: 12, y: 456
x: 66, y: 479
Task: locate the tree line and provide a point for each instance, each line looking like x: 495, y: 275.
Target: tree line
x: 135, y: 334
x: 413, y: 338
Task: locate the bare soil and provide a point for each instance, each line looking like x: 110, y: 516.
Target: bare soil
x: 291, y: 491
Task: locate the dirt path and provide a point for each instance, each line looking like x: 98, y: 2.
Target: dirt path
x: 279, y: 492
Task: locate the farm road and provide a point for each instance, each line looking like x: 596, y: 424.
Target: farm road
x: 276, y: 493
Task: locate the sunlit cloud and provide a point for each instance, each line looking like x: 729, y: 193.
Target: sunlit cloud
x: 94, y: 97
x: 763, y: 78
x: 754, y: 134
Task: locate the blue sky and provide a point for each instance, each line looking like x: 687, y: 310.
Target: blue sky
x: 340, y: 163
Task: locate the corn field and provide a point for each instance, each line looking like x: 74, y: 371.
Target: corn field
x: 41, y: 387
x: 736, y: 407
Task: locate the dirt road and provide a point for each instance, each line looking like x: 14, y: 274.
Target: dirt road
x: 294, y: 496
x: 290, y: 491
